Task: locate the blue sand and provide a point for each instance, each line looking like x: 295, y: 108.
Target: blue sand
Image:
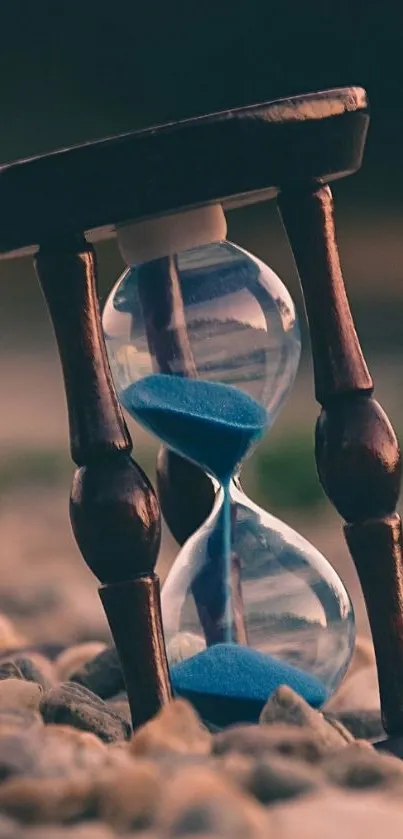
x: 211, y: 423
x: 228, y: 683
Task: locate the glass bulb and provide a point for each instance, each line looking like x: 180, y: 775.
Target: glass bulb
x: 287, y: 602
x: 204, y: 347
x: 212, y: 314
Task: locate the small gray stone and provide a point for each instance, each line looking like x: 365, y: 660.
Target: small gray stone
x: 363, y: 768
x: 86, y: 830
x: 10, y: 829
x: 331, y: 814
x: 364, y: 725
x: 127, y: 796
x: 286, y: 706
x: 35, y: 668
x: 17, y: 693
x: 258, y: 740
x: 9, y: 670
x: 121, y: 706
x: 72, y: 704
x: 19, y: 753
x: 273, y: 778
x: 102, y: 674
x: 14, y: 718
x: 74, y: 658
x: 175, y: 729
x: 47, y: 800
x: 199, y: 800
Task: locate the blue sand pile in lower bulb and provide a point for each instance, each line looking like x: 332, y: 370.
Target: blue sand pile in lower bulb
x: 211, y: 423
x: 228, y: 683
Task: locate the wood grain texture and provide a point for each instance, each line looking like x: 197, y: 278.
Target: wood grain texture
x: 113, y: 508
x: 235, y: 156
x: 133, y: 610
x: 357, y: 452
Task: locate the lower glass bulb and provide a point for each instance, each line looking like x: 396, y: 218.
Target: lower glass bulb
x: 281, y: 600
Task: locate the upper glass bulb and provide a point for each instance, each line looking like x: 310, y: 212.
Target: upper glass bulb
x: 222, y: 326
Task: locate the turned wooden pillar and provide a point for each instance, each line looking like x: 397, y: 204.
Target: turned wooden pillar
x: 357, y: 453
x: 113, y: 509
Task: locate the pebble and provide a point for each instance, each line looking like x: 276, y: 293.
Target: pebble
x: 65, y: 750
x: 19, y: 754
x: 333, y: 813
x: 32, y: 668
x: 288, y: 740
x: 53, y: 751
x: 102, y: 674
x: 73, y: 704
x: 183, y: 645
x: 198, y: 800
x: 364, y: 725
x: 87, y: 830
x: 73, y: 659
x: 19, y: 693
x: 58, y: 800
x: 286, y: 706
x: 10, y: 638
x: 272, y: 777
x: 363, y: 768
x: 121, y: 707
x: 9, y: 829
x: 15, y: 718
x: 127, y: 797
x: 176, y: 729
x: 9, y: 670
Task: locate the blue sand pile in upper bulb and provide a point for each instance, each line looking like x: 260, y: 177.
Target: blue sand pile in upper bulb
x: 211, y: 423
x: 228, y: 683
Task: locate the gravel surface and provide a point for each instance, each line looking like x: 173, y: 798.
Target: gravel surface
x: 70, y: 765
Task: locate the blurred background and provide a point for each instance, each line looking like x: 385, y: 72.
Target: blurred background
x: 71, y: 72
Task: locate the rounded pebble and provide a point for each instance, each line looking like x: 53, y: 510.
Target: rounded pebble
x: 332, y: 814
x: 33, y: 800
x: 74, y: 658
x: 177, y: 728
x: 10, y: 637
x: 362, y: 724
x: 361, y: 768
x: 102, y: 674
x: 127, y: 797
x: 32, y: 668
x: 14, y: 718
x: 289, y: 740
x: 10, y: 829
x: 199, y: 800
x: 74, y: 705
x: 87, y: 830
x: 286, y: 706
x: 17, y: 693
x: 272, y: 777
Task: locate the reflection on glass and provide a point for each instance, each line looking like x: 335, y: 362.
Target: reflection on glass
x: 204, y: 347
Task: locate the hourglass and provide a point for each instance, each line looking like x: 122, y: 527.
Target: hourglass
x: 56, y: 206
x: 203, y: 344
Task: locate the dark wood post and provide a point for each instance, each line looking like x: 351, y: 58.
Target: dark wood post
x: 113, y: 508
x: 357, y: 453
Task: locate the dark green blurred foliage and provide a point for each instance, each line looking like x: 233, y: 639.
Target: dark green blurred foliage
x: 285, y: 475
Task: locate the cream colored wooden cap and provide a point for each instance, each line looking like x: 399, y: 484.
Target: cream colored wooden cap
x: 147, y: 240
